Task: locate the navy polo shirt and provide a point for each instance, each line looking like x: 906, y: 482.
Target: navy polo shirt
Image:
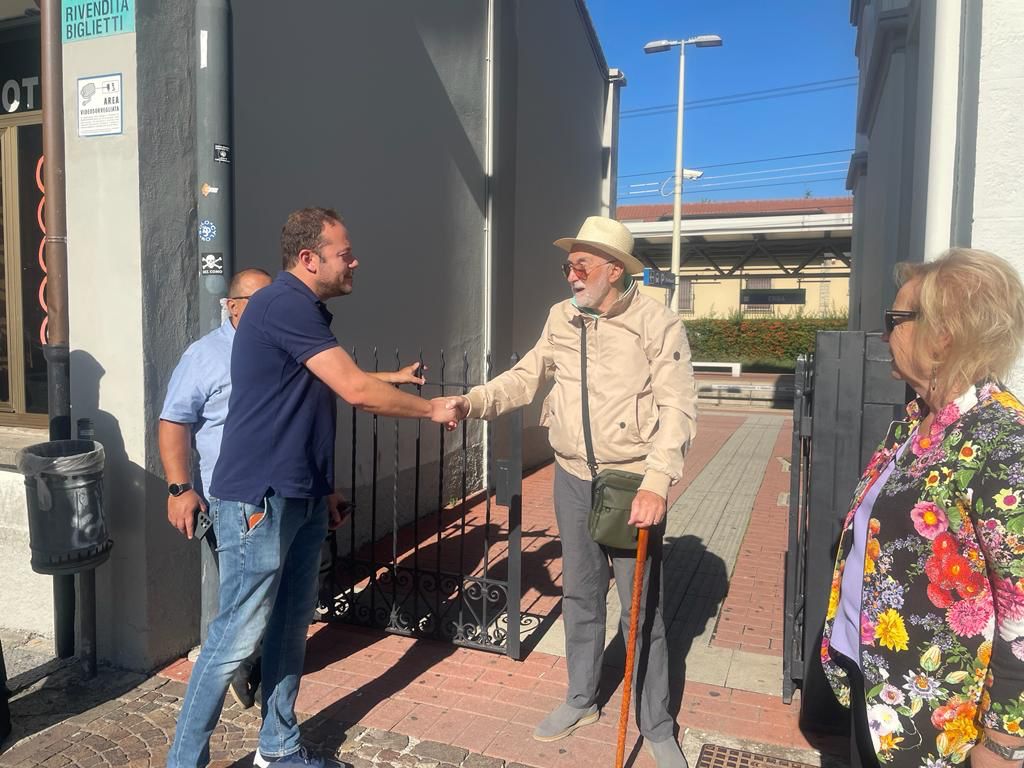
x: 279, y: 433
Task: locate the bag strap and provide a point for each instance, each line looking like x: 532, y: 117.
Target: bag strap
x: 587, y: 437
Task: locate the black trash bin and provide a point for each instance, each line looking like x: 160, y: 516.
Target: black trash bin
x: 5, y: 711
x: 64, y: 490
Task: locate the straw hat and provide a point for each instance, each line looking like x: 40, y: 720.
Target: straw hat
x: 609, y: 236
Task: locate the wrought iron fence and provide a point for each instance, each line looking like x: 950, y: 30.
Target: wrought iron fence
x: 432, y: 547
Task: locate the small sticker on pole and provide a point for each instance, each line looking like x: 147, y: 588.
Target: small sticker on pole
x: 211, y: 264
x: 221, y: 153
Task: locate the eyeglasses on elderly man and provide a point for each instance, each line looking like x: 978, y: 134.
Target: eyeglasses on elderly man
x: 581, y: 270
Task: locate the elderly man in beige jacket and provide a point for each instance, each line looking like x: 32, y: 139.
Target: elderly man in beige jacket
x: 643, y: 415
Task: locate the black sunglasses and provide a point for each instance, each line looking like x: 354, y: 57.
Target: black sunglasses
x: 894, y: 317
x: 238, y: 298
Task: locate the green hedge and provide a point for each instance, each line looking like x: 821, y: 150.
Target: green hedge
x: 773, y: 341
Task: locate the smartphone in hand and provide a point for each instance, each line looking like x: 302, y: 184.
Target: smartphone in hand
x: 202, y: 524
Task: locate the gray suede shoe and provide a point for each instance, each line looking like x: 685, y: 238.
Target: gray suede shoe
x: 563, y: 721
x: 667, y: 753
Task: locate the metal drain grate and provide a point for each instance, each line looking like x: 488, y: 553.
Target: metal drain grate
x: 714, y: 756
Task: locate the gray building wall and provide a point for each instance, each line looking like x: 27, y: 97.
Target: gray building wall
x: 375, y: 110
x: 378, y: 109
x: 165, y: 36
x: 883, y: 188
x: 130, y: 231
x: 400, y: 147
x: 563, y: 86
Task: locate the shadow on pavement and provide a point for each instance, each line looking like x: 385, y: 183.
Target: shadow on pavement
x: 694, y: 584
x: 62, y: 695
x: 329, y: 729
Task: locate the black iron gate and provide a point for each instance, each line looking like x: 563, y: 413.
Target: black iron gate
x: 432, y: 549
x: 799, y: 479
x: 845, y: 398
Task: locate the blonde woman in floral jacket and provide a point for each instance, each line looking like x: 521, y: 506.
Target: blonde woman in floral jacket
x: 924, y: 634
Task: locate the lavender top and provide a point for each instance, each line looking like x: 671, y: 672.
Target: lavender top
x: 846, y: 630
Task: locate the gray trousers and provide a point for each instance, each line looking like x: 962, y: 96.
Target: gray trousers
x: 585, y: 575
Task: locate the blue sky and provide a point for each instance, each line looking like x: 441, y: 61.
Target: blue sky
x: 768, y: 45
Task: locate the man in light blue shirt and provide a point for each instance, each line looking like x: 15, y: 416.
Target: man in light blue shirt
x: 196, y: 407
x: 194, y: 412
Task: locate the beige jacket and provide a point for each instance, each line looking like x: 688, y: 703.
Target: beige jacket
x: 642, y: 401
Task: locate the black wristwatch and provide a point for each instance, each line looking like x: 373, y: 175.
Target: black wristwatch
x: 176, y: 489
x: 1005, y: 752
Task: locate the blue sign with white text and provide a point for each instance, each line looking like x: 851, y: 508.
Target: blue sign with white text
x: 658, y: 278
x: 86, y: 19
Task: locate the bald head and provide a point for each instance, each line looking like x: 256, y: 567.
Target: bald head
x: 243, y: 286
x: 248, y: 281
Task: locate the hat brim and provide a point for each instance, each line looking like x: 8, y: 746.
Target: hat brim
x: 632, y: 263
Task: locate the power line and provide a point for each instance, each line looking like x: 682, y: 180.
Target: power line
x: 739, y: 162
x: 670, y: 110
x: 754, y: 186
x: 704, y: 179
x: 702, y: 185
x: 849, y: 80
x: 719, y: 186
x: 770, y: 178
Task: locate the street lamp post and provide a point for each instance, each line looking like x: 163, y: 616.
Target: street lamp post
x: 659, y: 46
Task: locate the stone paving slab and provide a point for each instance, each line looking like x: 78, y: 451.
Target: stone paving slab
x: 27, y: 656
x: 120, y: 719
x: 703, y: 534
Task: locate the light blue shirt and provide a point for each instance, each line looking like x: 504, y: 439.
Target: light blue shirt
x: 198, y: 394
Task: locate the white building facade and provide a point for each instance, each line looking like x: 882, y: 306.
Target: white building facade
x: 940, y: 141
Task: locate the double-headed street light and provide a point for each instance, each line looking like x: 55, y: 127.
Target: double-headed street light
x: 659, y: 46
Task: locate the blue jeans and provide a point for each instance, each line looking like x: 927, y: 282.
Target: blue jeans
x: 268, y: 585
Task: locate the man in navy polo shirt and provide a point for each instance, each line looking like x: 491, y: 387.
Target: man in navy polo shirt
x: 272, y: 494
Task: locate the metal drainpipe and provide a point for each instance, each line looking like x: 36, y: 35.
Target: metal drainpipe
x: 940, y: 186
x: 213, y: 208
x: 213, y: 158
x: 489, y: 88
x: 58, y: 376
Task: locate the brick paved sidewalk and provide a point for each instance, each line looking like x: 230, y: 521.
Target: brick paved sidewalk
x: 388, y: 700
x: 752, y: 614
x: 134, y: 729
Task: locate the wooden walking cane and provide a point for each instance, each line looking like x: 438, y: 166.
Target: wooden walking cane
x: 634, y: 620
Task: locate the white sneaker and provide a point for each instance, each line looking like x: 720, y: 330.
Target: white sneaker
x: 303, y: 758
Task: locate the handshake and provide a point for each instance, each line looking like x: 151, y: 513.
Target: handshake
x: 449, y: 410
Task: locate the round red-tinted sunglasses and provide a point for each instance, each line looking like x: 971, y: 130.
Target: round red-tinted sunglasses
x: 581, y: 271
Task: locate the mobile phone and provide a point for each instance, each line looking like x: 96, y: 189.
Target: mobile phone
x: 202, y: 524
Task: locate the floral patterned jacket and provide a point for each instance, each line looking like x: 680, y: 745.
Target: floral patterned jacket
x: 942, y: 612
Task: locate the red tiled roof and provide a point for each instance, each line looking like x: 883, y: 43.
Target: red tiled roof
x: 661, y: 211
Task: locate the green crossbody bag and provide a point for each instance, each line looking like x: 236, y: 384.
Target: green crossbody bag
x: 612, y: 491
